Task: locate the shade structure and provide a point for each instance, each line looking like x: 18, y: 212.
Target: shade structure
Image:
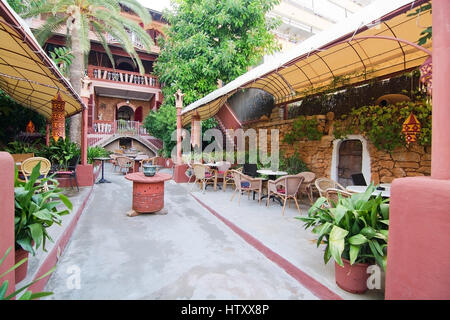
x: 27, y: 74
x: 377, y: 42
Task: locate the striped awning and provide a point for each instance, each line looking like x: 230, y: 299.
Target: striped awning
x: 377, y: 42
x: 27, y: 74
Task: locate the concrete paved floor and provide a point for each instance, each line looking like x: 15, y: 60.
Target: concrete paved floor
x: 284, y: 235
x: 186, y: 254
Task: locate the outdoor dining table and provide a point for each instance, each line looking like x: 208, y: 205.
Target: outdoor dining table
x: 103, y: 159
x: 272, y: 176
x: 360, y: 189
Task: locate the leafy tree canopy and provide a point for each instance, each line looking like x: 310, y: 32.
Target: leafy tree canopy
x: 208, y: 40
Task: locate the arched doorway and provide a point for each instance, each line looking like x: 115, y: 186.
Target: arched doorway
x: 138, y: 114
x: 125, y: 113
x: 350, y: 161
x: 350, y: 156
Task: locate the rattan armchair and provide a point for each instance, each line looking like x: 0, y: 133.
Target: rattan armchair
x: 306, y: 186
x: 332, y: 196
x: 124, y: 163
x: 322, y: 184
x: 285, y: 188
x: 204, y: 175
x: 29, y: 164
x: 247, y: 184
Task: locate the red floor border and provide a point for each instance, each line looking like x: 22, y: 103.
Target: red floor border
x: 318, y: 289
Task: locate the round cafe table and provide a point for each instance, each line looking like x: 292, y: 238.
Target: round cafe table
x: 148, y: 192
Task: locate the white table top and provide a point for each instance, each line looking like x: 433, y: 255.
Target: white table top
x: 271, y: 173
x: 360, y: 189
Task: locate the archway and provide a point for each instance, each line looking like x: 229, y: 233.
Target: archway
x: 125, y: 113
x: 355, y: 158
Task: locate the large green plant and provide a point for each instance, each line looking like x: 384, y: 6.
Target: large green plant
x: 36, y: 210
x: 22, y: 147
x: 96, y: 152
x: 28, y: 295
x: 355, y: 228
x: 60, y: 152
x: 63, y: 59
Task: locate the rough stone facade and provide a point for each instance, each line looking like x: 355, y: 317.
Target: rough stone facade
x: 385, y: 167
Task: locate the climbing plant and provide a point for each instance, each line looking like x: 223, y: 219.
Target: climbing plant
x: 303, y: 128
x: 383, y: 125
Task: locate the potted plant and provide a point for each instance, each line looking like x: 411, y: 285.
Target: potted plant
x: 35, y: 211
x: 355, y: 233
x: 28, y: 295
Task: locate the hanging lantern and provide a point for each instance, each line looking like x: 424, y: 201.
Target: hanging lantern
x: 426, y: 76
x: 30, y: 127
x: 411, y: 127
x: 58, y: 118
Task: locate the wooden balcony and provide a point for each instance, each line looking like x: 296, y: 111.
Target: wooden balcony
x: 129, y: 128
x: 122, y: 77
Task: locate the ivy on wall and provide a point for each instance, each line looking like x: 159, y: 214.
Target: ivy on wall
x: 303, y: 128
x: 382, y: 125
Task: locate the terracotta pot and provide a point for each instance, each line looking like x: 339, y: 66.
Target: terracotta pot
x: 21, y: 271
x: 352, y: 278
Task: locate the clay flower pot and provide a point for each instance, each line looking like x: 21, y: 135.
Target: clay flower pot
x: 21, y: 271
x: 352, y: 278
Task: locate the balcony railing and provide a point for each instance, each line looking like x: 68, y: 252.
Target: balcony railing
x: 119, y: 127
x: 134, y: 39
x: 121, y: 76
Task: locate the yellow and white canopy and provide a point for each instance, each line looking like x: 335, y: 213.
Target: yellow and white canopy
x: 27, y: 74
x: 377, y: 42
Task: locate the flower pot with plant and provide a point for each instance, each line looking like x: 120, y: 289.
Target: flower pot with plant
x: 355, y: 233
x: 36, y: 209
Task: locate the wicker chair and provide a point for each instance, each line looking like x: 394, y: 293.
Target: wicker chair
x: 306, y: 186
x: 224, y: 173
x: 322, y: 184
x: 124, y: 163
x: 204, y: 175
x: 332, y: 196
x: 29, y: 164
x: 247, y: 184
x: 286, y: 188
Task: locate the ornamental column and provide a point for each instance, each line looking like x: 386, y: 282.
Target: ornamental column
x: 179, y: 172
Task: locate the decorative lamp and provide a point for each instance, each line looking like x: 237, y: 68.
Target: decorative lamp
x: 411, y: 127
x: 426, y: 76
x: 30, y: 127
x: 58, y: 118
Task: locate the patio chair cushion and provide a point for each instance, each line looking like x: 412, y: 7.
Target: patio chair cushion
x: 64, y: 172
x: 208, y: 175
x: 245, y: 184
x: 221, y: 172
x: 280, y: 189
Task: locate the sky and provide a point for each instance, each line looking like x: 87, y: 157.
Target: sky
x: 157, y: 5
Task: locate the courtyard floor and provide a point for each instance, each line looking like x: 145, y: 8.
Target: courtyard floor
x: 205, y: 247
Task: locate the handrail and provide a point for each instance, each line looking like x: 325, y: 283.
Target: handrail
x: 116, y: 75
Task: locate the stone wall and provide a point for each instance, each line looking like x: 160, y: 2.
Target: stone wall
x: 409, y: 161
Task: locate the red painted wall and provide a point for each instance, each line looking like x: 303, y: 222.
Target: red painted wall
x: 7, y: 216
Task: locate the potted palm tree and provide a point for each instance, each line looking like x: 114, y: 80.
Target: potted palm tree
x: 35, y: 211
x: 355, y: 234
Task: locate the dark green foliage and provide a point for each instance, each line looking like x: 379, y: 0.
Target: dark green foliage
x: 60, y: 152
x: 303, y: 128
x: 293, y: 164
x: 96, y: 152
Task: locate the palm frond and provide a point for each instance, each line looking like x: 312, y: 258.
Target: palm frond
x: 49, y: 27
x: 99, y: 32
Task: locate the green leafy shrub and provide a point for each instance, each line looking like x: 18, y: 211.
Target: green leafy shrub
x: 35, y: 209
x: 96, y: 152
x: 355, y: 229
x: 22, y: 147
x: 303, y: 128
x: 60, y: 152
x: 293, y: 164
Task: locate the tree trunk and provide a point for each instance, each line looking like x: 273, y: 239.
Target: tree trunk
x: 76, y: 73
